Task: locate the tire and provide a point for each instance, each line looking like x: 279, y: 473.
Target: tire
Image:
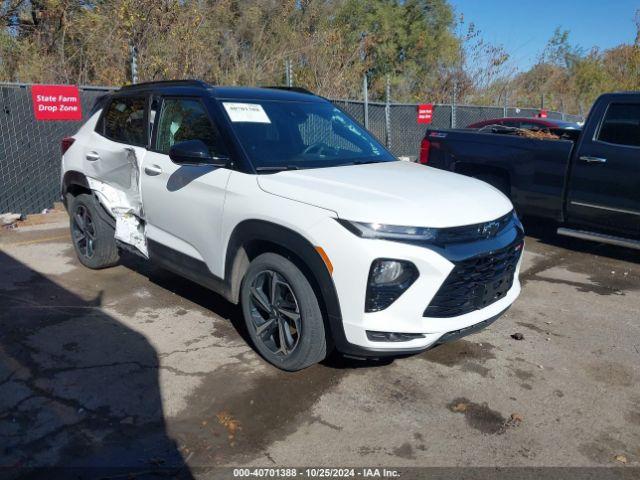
x: 270, y: 317
x: 93, y: 238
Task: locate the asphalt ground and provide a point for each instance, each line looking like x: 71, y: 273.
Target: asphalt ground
x: 135, y: 367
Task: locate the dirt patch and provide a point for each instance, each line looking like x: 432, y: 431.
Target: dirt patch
x: 479, y: 416
x: 261, y: 404
x: 475, y: 368
x: 460, y: 352
x: 611, y: 373
x: 404, y: 451
x: 537, y: 329
x: 603, y: 449
x: 523, y: 374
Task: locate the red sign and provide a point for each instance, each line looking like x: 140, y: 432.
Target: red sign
x: 542, y: 114
x: 56, y: 102
x: 425, y: 113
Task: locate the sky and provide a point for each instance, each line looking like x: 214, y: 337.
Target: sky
x: 523, y: 27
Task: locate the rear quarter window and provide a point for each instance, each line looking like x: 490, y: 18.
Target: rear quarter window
x: 124, y: 121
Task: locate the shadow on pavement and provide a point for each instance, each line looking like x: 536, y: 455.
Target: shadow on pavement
x: 78, y: 389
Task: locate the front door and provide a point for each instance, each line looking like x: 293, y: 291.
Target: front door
x: 183, y: 205
x: 604, y: 187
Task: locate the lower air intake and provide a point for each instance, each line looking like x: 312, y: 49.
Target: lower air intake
x: 476, y: 282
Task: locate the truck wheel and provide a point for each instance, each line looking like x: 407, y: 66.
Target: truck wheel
x: 93, y: 238
x: 282, y: 314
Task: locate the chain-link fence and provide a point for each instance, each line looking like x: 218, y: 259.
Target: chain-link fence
x: 30, y: 149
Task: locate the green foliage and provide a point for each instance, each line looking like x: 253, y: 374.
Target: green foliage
x: 421, y: 46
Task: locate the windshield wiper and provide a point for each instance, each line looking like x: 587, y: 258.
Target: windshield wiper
x: 277, y: 168
x: 365, y: 162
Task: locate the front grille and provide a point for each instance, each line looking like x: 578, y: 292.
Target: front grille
x: 472, y: 233
x: 476, y: 282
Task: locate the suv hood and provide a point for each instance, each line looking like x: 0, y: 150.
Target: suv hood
x: 394, y: 193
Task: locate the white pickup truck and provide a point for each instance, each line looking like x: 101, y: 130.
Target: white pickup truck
x: 279, y: 201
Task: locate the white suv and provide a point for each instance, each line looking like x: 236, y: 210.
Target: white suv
x: 277, y: 200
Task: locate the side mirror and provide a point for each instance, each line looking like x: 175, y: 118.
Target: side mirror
x: 195, y: 152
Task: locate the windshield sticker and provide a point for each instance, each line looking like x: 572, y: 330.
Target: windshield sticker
x: 246, y: 112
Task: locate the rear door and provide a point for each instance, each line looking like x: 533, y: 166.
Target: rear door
x: 117, y: 146
x: 604, y: 186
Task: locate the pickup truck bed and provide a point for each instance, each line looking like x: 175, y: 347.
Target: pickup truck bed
x: 534, y: 179
x: 588, y: 181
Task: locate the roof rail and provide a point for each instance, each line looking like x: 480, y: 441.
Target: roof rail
x: 292, y: 89
x: 168, y: 83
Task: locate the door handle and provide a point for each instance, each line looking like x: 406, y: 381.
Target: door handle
x: 92, y: 156
x: 589, y: 159
x: 153, y: 170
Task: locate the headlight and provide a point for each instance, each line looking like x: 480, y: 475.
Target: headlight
x: 391, y: 232
x: 433, y: 236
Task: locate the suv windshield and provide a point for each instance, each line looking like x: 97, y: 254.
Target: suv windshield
x: 290, y: 135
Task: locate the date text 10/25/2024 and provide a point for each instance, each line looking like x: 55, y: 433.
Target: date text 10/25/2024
x: 316, y: 472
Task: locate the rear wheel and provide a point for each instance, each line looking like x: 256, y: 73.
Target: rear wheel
x: 282, y: 314
x: 93, y: 238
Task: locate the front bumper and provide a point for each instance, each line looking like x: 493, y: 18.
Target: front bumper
x: 352, y: 259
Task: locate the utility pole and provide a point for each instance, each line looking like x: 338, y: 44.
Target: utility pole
x: 287, y: 73
x: 365, y: 96
x: 453, y: 103
x: 387, y: 113
x: 505, y: 109
x: 134, y: 64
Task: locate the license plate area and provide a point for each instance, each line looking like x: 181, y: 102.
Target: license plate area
x: 493, y: 291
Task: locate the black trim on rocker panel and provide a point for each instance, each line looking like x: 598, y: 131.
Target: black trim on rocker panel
x: 186, y: 266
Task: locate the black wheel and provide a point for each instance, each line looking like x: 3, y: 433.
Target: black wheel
x: 282, y: 314
x: 93, y: 238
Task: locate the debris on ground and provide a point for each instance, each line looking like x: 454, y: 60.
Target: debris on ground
x: 231, y: 424
x: 517, y: 336
x: 620, y: 458
x: 515, y: 419
x: 459, y: 407
x: 8, y: 220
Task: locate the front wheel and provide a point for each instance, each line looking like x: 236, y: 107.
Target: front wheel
x: 282, y: 314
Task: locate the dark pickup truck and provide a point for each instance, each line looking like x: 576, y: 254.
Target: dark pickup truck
x: 588, y: 181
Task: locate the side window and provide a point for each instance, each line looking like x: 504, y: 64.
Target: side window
x: 621, y: 125
x: 183, y: 119
x: 124, y: 121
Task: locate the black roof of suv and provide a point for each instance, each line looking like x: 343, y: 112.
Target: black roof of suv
x: 193, y: 86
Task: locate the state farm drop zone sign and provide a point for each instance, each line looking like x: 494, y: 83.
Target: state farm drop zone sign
x: 56, y: 102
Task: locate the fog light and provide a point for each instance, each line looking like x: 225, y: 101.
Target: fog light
x: 388, y: 279
x: 386, y: 271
